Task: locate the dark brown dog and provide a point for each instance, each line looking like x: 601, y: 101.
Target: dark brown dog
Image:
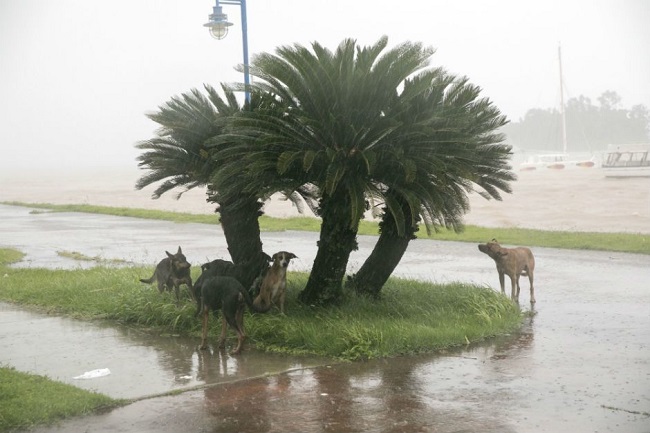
x: 274, y: 283
x: 171, y: 272
x: 214, y: 293
x: 512, y: 262
x: 249, y: 274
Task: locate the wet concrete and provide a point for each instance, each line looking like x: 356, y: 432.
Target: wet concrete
x: 582, y: 363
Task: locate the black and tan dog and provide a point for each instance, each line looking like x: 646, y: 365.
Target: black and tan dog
x: 214, y: 293
x: 274, y: 283
x: 248, y: 273
x: 512, y: 262
x: 171, y: 272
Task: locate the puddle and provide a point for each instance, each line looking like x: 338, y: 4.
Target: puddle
x: 140, y: 363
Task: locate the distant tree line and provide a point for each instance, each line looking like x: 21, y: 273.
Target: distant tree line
x: 589, y: 127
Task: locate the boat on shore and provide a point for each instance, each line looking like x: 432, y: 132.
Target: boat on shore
x: 555, y: 161
x: 558, y: 161
x: 627, y: 160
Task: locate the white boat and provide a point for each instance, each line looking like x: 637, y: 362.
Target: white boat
x: 627, y: 160
x: 557, y: 161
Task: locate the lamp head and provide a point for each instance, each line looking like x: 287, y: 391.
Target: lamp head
x: 218, y: 24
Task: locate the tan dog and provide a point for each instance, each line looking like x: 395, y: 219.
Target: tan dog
x: 274, y: 284
x: 512, y: 262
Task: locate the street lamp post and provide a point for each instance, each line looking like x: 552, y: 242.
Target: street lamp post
x: 218, y: 26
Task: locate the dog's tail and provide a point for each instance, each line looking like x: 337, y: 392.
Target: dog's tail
x: 150, y: 280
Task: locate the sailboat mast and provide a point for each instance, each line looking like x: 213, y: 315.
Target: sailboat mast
x: 562, y: 113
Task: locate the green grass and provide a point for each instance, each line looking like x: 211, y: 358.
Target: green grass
x: 412, y: 317
x: 75, y: 255
x: 27, y: 400
x: 9, y: 256
x: 638, y: 243
x: 121, y: 211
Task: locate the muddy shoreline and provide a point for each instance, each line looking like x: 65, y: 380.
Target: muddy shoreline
x: 564, y: 200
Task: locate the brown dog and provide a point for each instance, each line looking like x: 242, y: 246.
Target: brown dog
x: 274, y: 284
x: 171, y: 272
x: 512, y: 262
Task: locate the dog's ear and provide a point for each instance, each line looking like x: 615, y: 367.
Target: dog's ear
x: 170, y: 255
x: 494, y: 240
x: 179, y: 250
x: 291, y: 256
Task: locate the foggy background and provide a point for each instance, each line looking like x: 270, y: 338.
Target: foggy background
x: 78, y: 76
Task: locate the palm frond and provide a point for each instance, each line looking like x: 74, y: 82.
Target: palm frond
x: 178, y: 156
x: 369, y: 120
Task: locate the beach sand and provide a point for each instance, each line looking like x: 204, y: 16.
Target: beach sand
x: 566, y: 200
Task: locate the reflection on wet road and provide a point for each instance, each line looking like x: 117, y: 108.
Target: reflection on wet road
x: 141, y: 364
x: 581, y: 363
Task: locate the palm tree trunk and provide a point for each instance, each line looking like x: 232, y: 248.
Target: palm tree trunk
x: 385, y: 256
x: 240, y: 224
x: 379, y: 265
x: 335, y: 244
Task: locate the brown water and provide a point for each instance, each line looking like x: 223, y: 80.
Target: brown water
x: 575, y: 200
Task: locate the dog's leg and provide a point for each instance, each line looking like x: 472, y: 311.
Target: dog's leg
x: 177, y: 291
x: 240, y: 319
x: 282, y: 297
x: 239, y: 328
x: 224, y: 329
x: 161, y: 286
x: 514, y: 282
x: 240, y: 342
x: 518, y: 287
x: 204, y: 333
x: 502, y: 281
x: 532, y: 289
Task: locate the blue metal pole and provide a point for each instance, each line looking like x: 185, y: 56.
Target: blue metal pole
x: 244, y: 32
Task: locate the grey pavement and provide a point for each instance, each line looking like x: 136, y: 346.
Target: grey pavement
x: 581, y: 364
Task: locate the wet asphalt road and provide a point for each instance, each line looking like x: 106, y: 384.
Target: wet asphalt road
x: 582, y: 363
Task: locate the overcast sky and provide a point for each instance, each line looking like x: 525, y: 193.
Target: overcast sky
x: 77, y: 76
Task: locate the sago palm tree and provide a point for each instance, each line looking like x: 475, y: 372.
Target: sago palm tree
x: 178, y: 158
x: 358, y: 126
x: 323, y: 114
x: 449, y: 147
